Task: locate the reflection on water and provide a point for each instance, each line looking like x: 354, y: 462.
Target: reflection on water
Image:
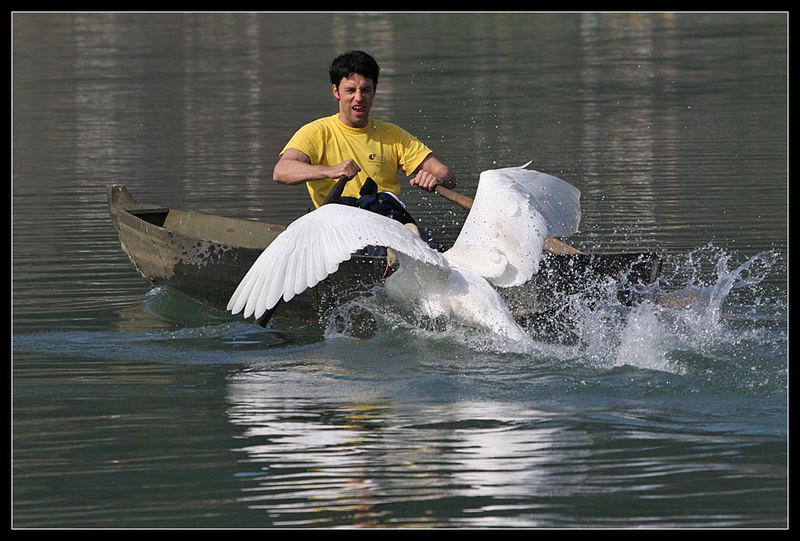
x: 476, y: 464
x: 621, y: 79
x: 479, y: 452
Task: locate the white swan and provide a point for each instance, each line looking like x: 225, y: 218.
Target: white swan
x: 500, y: 244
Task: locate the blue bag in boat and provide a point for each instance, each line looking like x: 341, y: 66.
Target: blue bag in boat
x: 386, y: 204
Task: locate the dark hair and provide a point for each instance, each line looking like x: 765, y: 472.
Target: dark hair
x: 353, y: 62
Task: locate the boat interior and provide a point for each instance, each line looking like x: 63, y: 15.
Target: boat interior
x: 205, y: 226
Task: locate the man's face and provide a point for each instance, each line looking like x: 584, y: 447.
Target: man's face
x: 355, y: 94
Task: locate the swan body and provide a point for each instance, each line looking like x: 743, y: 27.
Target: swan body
x: 500, y: 244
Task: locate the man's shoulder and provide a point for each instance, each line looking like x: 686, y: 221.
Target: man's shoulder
x: 313, y: 131
x: 320, y: 123
x: 393, y: 132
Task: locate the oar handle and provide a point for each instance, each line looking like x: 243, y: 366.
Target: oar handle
x: 555, y: 246
x: 336, y: 191
x: 461, y: 200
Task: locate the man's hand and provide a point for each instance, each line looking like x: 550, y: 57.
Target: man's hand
x: 425, y: 180
x: 347, y: 168
x: 431, y: 173
x: 294, y: 167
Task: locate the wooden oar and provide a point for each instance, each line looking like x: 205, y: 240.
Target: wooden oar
x: 551, y: 245
x: 336, y: 191
x: 461, y: 200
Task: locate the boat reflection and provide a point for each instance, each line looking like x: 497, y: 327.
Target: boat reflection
x: 309, y: 462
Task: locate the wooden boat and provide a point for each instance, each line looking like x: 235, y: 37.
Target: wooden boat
x: 205, y: 257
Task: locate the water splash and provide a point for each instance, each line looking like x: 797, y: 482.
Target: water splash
x: 377, y: 314
x: 688, y: 316
x: 708, y: 314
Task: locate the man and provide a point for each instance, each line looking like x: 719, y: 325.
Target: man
x: 350, y: 144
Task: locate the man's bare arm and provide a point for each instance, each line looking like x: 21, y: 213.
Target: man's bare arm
x: 295, y: 167
x: 431, y: 172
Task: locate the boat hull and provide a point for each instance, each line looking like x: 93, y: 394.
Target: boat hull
x: 205, y: 257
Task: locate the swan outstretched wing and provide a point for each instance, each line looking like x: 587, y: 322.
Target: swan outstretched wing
x: 514, y: 211
x: 312, y: 247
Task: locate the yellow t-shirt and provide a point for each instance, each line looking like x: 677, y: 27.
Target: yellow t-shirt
x: 380, y: 150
